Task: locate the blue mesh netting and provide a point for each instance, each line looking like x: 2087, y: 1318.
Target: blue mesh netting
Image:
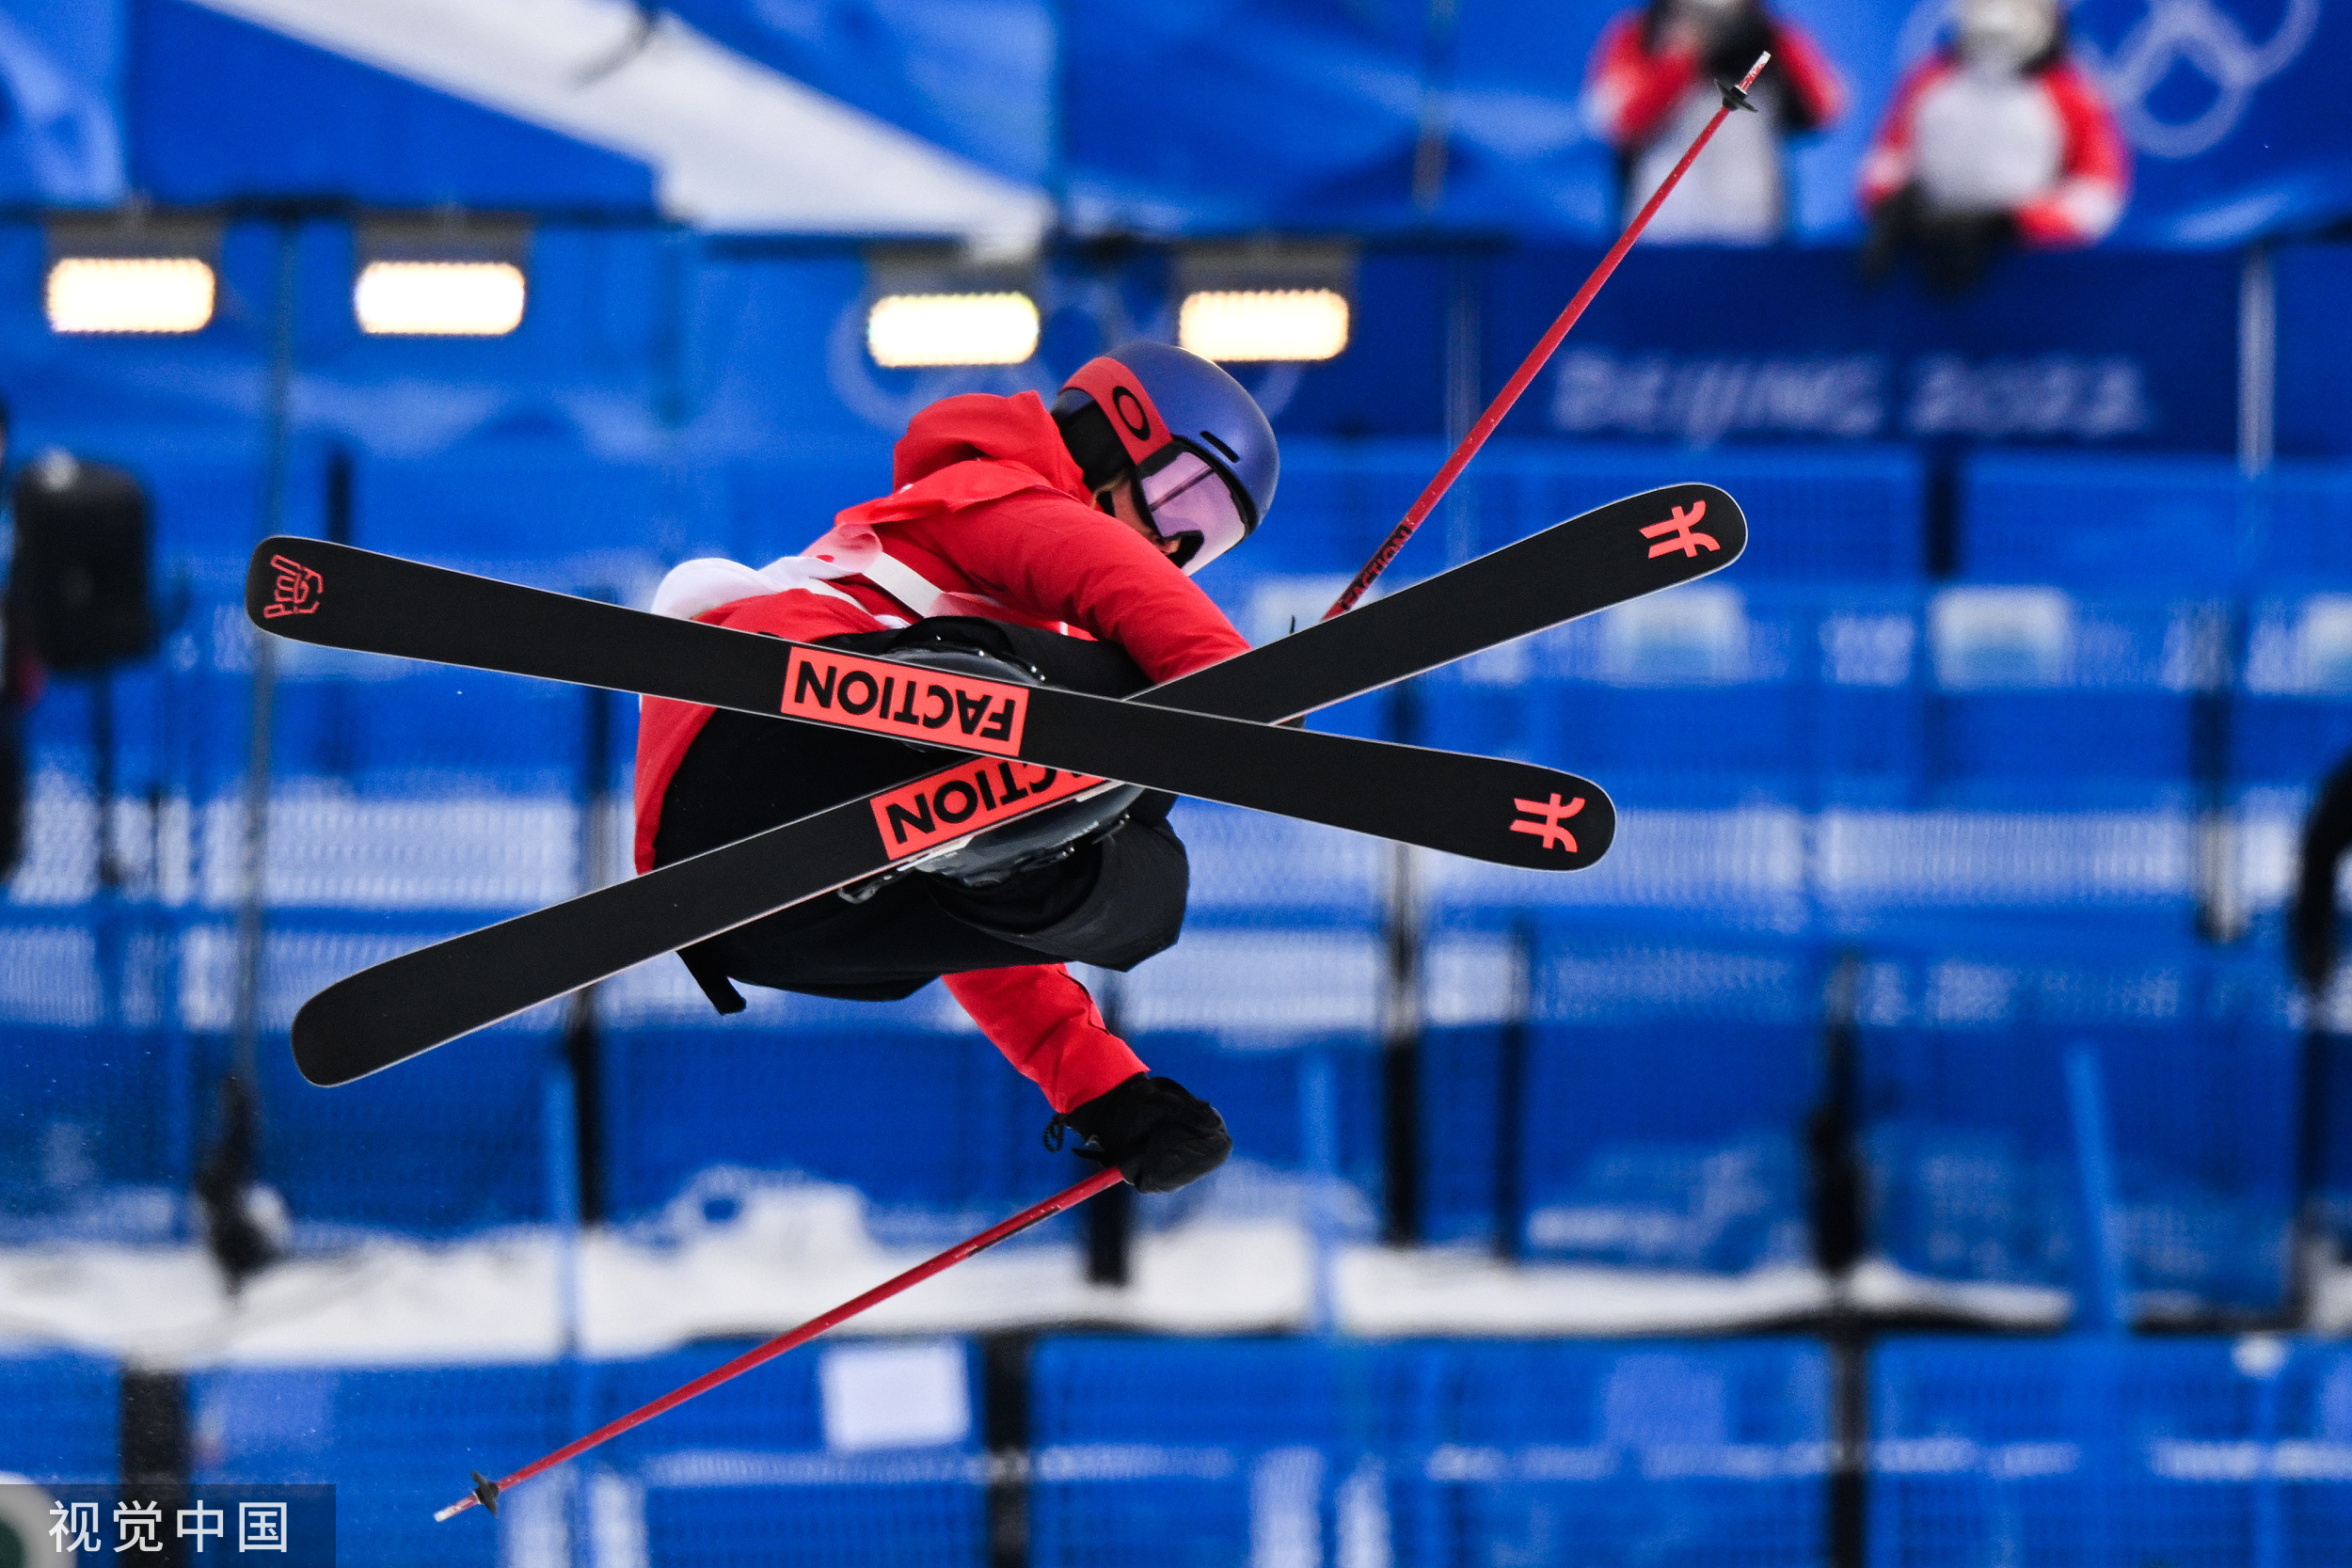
x: 743, y: 1474
x: 1850, y: 515
x: 1853, y: 753
x: 396, y: 1445
x: 1666, y: 1087
x: 63, y: 1415
x: 1845, y: 515
x: 98, y: 1132
x: 915, y: 1107
x: 2086, y: 1454
x: 1964, y: 1045
x: 2290, y: 723
x: 1641, y: 1453
x: 526, y: 495
x: 918, y: 1120
x: 1425, y: 1453
x: 2104, y: 522
x: 1725, y: 692
x: 2045, y: 700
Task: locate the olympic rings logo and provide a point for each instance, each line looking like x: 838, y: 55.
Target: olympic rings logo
x: 2196, y: 35
x: 2202, y: 37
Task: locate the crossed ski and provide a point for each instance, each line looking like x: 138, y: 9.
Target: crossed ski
x: 1072, y: 741
x: 1206, y: 734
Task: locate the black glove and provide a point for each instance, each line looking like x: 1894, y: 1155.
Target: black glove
x: 1159, y: 1136
x: 1956, y: 249
x: 1733, y: 43
x: 1894, y: 228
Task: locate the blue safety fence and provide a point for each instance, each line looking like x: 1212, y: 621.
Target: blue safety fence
x: 912, y: 1105
x: 1725, y: 692
x: 1718, y: 694
x: 1786, y: 757
x: 868, y: 1448
x: 2291, y: 717
x: 98, y: 1139
x: 2192, y: 1453
x: 926, y: 1120
x: 1300, y: 1451
x: 2049, y: 701
x: 851, y: 1451
x: 119, y: 1019
x: 2102, y: 524
x: 1970, y: 1134
x: 1849, y: 514
x: 396, y: 1444
x: 1662, y: 1098
x: 63, y: 1415
x: 449, y: 1142
x: 1846, y: 757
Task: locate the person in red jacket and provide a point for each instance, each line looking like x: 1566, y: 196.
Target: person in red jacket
x: 1998, y: 139
x: 1651, y: 89
x: 1022, y: 544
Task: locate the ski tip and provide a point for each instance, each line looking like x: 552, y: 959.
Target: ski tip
x: 1698, y: 516
x: 313, y: 1063
x: 283, y: 585
x: 1567, y: 827
x: 321, y: 1050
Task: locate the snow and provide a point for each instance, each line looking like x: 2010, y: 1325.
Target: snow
x: 792, y: 1249
x: 2331, y: 1292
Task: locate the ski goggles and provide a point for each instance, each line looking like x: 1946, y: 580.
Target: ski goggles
x: 1189, y: 499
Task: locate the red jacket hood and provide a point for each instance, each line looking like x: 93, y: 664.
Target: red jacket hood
x: 1016, y: 429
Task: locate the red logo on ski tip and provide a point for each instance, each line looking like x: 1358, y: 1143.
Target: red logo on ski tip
x: 945, y: 806
x: 298, y: 589
x: 1682, y: 537
x: 906, y: 701
x: 1544, y: 817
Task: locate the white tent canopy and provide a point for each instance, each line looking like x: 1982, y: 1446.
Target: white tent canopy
x: 737, y: 147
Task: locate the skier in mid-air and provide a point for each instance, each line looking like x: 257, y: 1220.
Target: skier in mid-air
x: 1018, y: 542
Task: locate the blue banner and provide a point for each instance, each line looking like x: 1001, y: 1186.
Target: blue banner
x: 2229, y: 107
x: 1700, y: 345
x: 973, y: 76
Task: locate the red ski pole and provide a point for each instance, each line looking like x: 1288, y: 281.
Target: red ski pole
x: 1734, y: 98
x: 487, y: 1491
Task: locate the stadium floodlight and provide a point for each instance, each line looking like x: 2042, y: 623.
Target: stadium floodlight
x: 439, y: 299
x: 443, y: 276
x: 129, y: 293
x: 1268, y: 301
x: 934, y: 307
x: 1296, y: 325
x: 910, y: 331
x: 136, y: 273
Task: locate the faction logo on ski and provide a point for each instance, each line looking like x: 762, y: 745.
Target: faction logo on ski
x: 1544, y: 817
x: 906, y: 701
x: 914, y: 818
x: 1677, y: 528
x: 298, y: 589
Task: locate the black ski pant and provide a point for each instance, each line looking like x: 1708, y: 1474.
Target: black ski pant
x: 1115, y: 902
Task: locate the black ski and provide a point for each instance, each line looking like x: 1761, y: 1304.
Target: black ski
x: 1037, y: 737
x: 411, y: 1003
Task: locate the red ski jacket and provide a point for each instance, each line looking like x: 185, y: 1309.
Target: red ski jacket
x: 1634, y: 92
x: 2043, y: 145
x: 988, y: 507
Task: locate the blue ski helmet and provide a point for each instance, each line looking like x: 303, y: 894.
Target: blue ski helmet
x: 1199, y: 446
